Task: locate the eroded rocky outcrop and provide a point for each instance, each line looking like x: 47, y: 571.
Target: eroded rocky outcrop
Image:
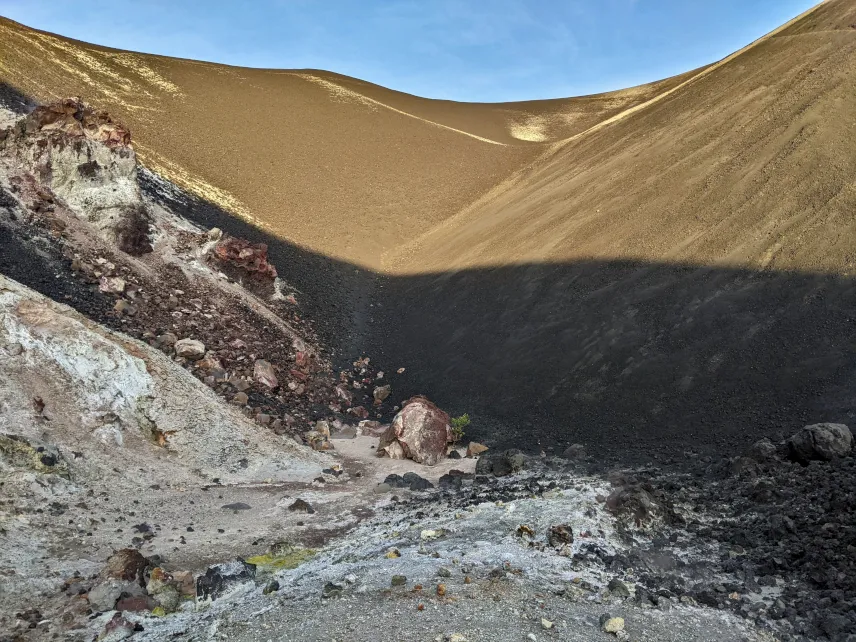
x: 86, y: 159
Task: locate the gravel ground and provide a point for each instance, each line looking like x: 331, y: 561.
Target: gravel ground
x: 507, y: 617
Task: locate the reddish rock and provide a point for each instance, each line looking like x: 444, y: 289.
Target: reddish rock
x: 263, y: 373
x: 372, y: 428
x: 136, y: 603
x: 210, y: 363
x: 422, y: 431
x: 244, y: 261
x: 359, y: 411
x: 118, y: 628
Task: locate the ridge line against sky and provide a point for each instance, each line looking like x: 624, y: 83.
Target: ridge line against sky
x: 505, y: 50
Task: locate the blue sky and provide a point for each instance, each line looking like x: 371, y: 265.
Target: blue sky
x: 475, y: 50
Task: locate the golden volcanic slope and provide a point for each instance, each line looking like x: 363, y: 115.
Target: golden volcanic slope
x: 747, y: 162
x: 752, y: 164
x: 340, y: 166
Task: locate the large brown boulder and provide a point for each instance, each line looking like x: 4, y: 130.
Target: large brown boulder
x: 420, y: 431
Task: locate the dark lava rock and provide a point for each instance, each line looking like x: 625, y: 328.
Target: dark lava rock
x: 272, y: 587
x: 763, y: 450
x: 574, y: 451
x: 127, y: 564
x: 501, y: 464
x: 221, y: 578
x: 617, y: 587
x: 236, y: 506
x: 415, y: 482
x: 301, y: 506
x: 821, y: 442
x: 395, y: 481
x: 560, y: 535
x: 136, y: 603
x: 454, y: 479
x: 411, y: 481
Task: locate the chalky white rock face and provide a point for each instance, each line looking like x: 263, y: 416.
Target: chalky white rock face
x: 84, y: 158
x: 124, y: 393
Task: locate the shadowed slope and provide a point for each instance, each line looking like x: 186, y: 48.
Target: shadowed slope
x: 668, y: 357
x: 335, y: 164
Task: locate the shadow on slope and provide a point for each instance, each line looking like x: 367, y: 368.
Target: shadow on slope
x: 634, y: 359
x: 14, y: 100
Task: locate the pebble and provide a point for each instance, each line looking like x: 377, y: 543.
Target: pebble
x: 398, y: 580
x: 237, y: 506
x: 190, y: 349
x: 475, y: 448
x: 545, y: 623
x: 123, y: 307
x: 166, y: 340
x: 301, y: 506
x: 618, y: 588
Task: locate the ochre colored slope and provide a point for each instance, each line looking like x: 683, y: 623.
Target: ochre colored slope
x: 750, y: 164
x: 340, y: 166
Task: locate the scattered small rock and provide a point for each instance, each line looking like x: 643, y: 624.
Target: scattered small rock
x: 112, y: 284
x: 381, y: 393
x: 574, y: 451
x: 301, y: 506
x: 618, y: 588
x: 263, y: 372
x: 236, y: 506
x: 222, y: 578
x: 190, y: 349
x: 475, y: 448
x: 560, y: 535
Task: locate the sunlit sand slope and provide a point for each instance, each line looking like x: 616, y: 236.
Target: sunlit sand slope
x: 751, y: 165
x: 340, y: 166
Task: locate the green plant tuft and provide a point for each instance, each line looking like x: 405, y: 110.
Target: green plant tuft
x: 458, y: 426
